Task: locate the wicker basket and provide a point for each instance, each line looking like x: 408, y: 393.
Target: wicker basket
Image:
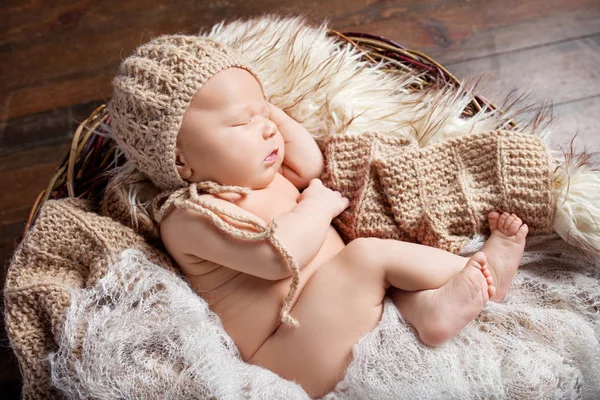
x: 92, y: 152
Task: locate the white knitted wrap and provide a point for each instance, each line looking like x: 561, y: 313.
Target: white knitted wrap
x: 158, y: 340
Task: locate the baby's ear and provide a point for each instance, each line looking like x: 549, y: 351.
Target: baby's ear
x: 182, y: 166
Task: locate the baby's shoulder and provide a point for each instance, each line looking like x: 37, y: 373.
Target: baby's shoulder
x: 187, y: 212
x: 199, y: 230
x: 190, y: 218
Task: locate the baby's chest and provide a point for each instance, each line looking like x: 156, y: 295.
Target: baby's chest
x: 278, y: 198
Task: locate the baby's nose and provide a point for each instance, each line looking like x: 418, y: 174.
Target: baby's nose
x: 269, y: 128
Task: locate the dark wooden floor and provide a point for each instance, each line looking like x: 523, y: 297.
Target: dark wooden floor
x: 58, y: 58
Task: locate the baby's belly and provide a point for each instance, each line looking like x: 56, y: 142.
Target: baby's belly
x: 249, y: 306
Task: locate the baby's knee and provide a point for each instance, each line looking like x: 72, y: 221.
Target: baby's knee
x: 363, y: 252
x: 362, y: 261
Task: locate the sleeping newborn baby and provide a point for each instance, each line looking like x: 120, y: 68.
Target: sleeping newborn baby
x: 203, y: 117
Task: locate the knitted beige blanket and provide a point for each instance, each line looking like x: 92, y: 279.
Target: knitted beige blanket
x: 70, y: 247
x: 439, y: 195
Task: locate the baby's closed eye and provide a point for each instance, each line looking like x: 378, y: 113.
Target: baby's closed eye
x: 242, y: 122
x: 250, y: 114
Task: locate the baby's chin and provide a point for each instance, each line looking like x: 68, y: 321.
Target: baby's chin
x: 263, y: 183
x: 264, y: 179
x: 256, y: 183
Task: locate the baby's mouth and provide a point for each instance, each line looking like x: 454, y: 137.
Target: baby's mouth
x: 272, y: 157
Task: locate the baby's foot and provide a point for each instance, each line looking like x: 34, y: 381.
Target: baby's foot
x: 504, y: 249
x: 451, y: 307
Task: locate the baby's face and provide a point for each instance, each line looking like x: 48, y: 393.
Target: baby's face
x: 227, y: 136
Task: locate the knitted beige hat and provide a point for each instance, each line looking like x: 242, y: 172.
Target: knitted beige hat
x: 154, y: 88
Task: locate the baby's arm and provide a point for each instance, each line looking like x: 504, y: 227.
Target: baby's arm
x: 303, y: 159
x: 301, y: 231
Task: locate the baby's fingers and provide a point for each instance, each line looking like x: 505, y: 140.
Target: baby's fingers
x: 342, y: 205
x: 345, y: 203
x: 315, y: 181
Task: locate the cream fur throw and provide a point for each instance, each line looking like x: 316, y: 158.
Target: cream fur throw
x: 157, y: 339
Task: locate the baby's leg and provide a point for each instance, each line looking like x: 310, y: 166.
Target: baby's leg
x: 441, y: 292
x: 414, y: 267
x: 408, y: 266
x: 439, y: 314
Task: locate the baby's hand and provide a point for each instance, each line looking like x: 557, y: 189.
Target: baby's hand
x: 324, y: 197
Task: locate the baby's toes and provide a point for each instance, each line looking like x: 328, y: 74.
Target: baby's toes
x: 514, y: 226
x: 522, y: 232
x: 486, y: 271
x: 487, y: 274
x: 502, y: 220
x: 508, y: 222
x: 493, y: 220
x: 477, y: 260
x: 491, y: 290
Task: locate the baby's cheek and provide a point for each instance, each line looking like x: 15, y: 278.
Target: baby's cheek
x: 281, y: 145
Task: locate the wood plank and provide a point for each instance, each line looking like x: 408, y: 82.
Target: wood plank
x: 43, y: 129
x: 578, y: 118
x: 10, y: 378
x: 9, y: 235
x: 10, y: 386
x: 20, y: 188
x: 9, y: 369
x: 98, y: 35
x: 40, y: 155
x: 451, y: 31
x: 561, y: 72
x: 574, y: 123
x: 74, y: 48
x: 72, y: 91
